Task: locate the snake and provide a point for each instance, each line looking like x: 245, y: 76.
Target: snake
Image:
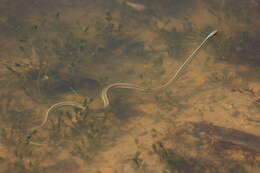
x: 105, y: 90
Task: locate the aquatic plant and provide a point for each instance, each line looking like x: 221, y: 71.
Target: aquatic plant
x: 30, y: 73
x: 137, y: 160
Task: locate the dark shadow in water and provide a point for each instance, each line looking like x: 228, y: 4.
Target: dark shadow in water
x: 231, y: 136
x: 178, y: 163
x: 120, y: 107
x: 69, y: 84
x: 241, y: 10
x: 175, y: 8
x: 243, y: 48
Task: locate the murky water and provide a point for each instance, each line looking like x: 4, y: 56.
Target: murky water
x: 62, y: 50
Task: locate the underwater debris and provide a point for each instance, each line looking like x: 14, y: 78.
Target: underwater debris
x: 136, y: 6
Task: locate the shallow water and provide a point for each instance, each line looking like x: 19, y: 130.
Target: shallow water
x: 54, y: 51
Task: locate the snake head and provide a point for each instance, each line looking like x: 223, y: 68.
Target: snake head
x: 212, y: 33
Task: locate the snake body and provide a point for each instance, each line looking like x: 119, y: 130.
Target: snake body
x: 104, y: 92
x: 136, y: 87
